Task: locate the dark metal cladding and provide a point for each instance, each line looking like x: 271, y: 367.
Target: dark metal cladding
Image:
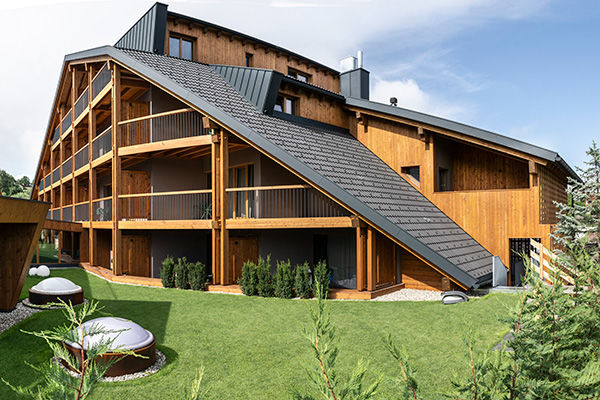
x: 148, y: 33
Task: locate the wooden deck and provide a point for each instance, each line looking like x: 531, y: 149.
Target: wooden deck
x: 345, y: 294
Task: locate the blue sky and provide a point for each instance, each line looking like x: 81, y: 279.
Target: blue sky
x: 523, y: 69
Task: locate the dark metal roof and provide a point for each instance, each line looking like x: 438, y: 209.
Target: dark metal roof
x: 148, y: 33
x: 468, y: 130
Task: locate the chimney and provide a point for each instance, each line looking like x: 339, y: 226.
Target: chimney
x: 354, y: 79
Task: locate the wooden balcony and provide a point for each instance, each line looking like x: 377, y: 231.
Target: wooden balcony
x: 81, y: 105
x: 82, y: 157
x: 100, y: 81
x: 82, y: 211
x: 102, y: 144
x: 102, y: 209
x: 164, y: 131
x: 67, y: 167
x: 67, y: 122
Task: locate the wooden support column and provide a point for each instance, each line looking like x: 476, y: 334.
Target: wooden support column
x: 533, y: 174
x: 92, y: 173
x: 61, y: 159
x: 37, y: 253
x: 371, y: 259
x: 361, y: 258
x: 116, y: 168
x: 60, y: 243
x: 428, y: 168
x: 226, y: 273
x: 216, y: 208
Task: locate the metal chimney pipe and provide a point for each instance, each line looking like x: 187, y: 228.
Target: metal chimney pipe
x: 360, y: 59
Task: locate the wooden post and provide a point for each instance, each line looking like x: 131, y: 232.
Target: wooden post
x: 427, y: 171
x: 60, y: 242
x: 226, y: 275
x: 37, y: 253
x: 371, y: 259
x: 116, y: 168
x: 216, y: 208
x: 91, y: 174
x: 361, y: 258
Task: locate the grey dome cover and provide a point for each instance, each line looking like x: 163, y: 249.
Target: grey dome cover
x: 56, y: 286
x: 125, y: 334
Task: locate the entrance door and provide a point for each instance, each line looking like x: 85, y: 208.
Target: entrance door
x: 386, y: 261
x: 242, y: 249
x: 136, y: 255
x: 135, y: 208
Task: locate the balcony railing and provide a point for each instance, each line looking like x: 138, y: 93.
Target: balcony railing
x: 67, y: 167
x: 56, y: 214
x: 165, y: 126
x: 82, y: 211
x: 295, y: 201
x: 82, y: 157
x: 102, y: 209
x: 67, y: 121
x: 56, y: 135
x: 100, y: 81
x: 49, y: 215
x: 102, y: 143
x: 56, y: 175
x: 181, y: 205
x: 67, y: 214
x: 48, y: 180
x: 81, y: 103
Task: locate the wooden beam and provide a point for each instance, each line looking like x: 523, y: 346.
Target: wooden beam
x: 179, y: 224
x: 226, y: 275
x: 371, y: 259
x: 361, y: 258
x: 290, y: 223
x: 203, y: 140
x: 215, y: 161
x: 116, y: 170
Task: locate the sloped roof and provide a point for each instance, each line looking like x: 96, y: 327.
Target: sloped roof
x: 468, y: 130
x: 334, y: 161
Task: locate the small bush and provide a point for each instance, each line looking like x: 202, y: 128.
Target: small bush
x: 323, y: 277
x: 264, y: 287
x: 249, y: 279
x: 302, y: 281
x: 181, y: 274
x: 167, y: 273
x: 284, y: 281
x: 197, y: 274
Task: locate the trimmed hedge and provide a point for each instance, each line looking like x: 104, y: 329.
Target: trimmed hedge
x: 167, y: 273
x: 284, y: 281
x: 264, y: 287
x: 323, y: 277
x: 197, y: 274
x: 181, y: 274
x: 302, y: 281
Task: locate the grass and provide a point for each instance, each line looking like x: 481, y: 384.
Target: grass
x: 254, y: 348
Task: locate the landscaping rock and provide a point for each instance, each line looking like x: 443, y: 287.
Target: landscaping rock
x: 43, y: 271
x: 21, y: 312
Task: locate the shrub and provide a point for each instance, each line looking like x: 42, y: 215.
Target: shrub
x: 302, y: 281
x: 249, y: 279
x: 197, y: 276
x: 284, y: 281
x: 167, y: 273
x: 322, y: 277
x: 264, y: 286
x: 181, y: 273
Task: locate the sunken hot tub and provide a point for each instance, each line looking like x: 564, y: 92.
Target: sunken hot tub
x: 50, y: 290
x: 125, y: 335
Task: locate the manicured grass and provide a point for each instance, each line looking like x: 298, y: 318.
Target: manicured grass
x: 254, y: 348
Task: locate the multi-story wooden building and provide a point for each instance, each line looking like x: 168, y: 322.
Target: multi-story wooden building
x: 190, y: 139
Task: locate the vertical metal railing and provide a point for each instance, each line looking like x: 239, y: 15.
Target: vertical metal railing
x: 67, y: 213
x: 48, y: 180
x: 81, y: 103
x: 56, y: 214
x: 165, y: 126
x: 67, y: 167
x: 82, y: 211
x: 102, y: 209
x: 82, y: 157
x: 102, y: 144
x: 56, y: 135
x: 182, y: 205
x: 100, y: 81
x: 67, y: 121
x: 56, y: 175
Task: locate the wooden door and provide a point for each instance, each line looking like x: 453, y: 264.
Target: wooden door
x: 134, y: 182
x: 242, y: 249
x: 386, y: 261
x: 136, y: 255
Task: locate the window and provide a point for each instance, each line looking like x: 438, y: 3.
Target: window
x: 249, y: 57
x: 180, y: 47
x: 443, y: 183
x: 286, y: 104
x: 413, y: 172
x: 301, y: 76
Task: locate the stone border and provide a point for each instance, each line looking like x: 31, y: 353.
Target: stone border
x: 161, y: 360
x: 46, y: 307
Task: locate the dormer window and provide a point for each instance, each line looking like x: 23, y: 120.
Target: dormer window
x: 301, y: 76
x: 181, y: 47
x: 249, y: 57
x: 286, y: 104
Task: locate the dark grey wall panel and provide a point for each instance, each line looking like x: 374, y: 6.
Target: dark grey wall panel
x: 148, y: 34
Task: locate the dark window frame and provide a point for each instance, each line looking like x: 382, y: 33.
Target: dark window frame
x: 413, y: 171
x: 180, y: 39
x: 299, y: 75
x: 249, y: 59
x: 281, y: 104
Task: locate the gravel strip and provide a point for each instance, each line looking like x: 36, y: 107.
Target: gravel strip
x: 411, y: 295
x: 8, y: 319
x: 161, y: 360
x: 47, y: 307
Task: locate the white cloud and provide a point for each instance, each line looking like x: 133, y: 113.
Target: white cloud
x: 412, y: 97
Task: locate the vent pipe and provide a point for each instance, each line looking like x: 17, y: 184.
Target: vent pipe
x: 354, y: 79
x: 359, y: 56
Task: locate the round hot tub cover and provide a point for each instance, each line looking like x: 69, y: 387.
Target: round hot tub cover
x: 56, y: 286
x: 124, y: 334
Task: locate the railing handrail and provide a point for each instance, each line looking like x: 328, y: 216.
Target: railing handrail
x: 245, y: 189
x: 81, y: 95
x: 163, y: 114
x: 100, y: 135
x: 100, y: 70
x: 81, y: 149
x: 200, y: 191
x: 67, y: 114
x: 101, y: 199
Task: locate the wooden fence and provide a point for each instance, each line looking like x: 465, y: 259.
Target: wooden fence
x: 543, y: 263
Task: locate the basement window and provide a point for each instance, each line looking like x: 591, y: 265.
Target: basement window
x: 181, y: 48
x: 414, y: 172
x: 301, y: 76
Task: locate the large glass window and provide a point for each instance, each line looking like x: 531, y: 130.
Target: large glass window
x: 174, y: 47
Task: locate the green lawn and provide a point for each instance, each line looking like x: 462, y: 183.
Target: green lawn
x: 254, y: 348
